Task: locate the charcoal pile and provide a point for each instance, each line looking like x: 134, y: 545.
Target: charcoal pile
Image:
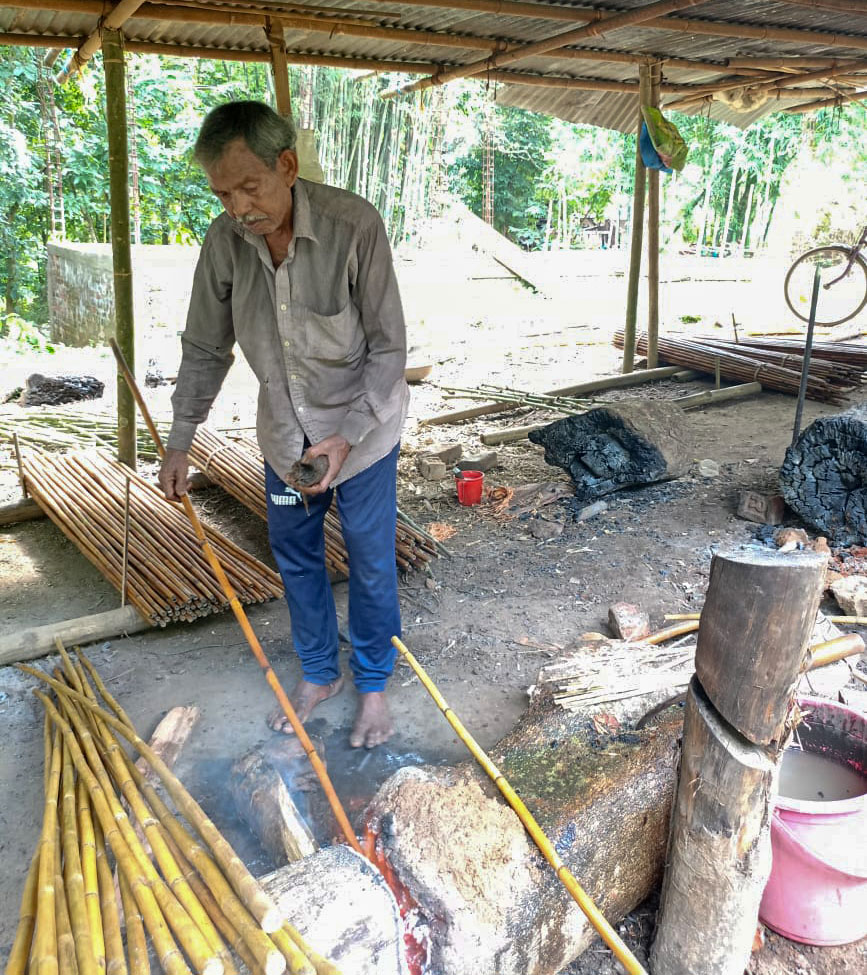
x: 622, y: 445
x: 824, y: 476
x: 42, y: 390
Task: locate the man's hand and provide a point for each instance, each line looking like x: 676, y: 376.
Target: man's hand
x: 336, y: 449
x: 173, y: 474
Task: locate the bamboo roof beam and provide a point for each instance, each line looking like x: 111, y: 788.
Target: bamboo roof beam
x: 519, y: 52
x: 858, y: 96
x: 113, y: 20
x: 842, y: 6
x: 793, y: 63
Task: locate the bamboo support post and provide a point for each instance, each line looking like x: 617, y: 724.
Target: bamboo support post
x: 21, y: 480
x: 653, y: 238
x: 637, y: 235
x: 279, y: 66
x: 259, y: 654
x: 579, y: 895
x: 118, y: 169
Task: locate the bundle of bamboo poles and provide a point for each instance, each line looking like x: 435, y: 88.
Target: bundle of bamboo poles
x: 140, y: 542
x: 743, y: 366
x: 180, y: 884
x: 854, y: 353
x: 64, y: 428
x: 239, y: 468
x: 520, y: 397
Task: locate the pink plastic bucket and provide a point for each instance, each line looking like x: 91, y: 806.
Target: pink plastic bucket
x: 817, y: 890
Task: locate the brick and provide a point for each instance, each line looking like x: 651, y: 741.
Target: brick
x: 485, y: 462
x: 765, y: 509
x: 627, y: 622
x: 431, y: 468
x: 448, y: 453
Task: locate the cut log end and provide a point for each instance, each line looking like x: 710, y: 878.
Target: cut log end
x: 271, y: 920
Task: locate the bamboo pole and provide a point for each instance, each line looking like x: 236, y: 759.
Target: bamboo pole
x: 653, y: 239
x: 164, y: 944
x: 252, y: 640
x: 109, y: 917
x: 579, y: 895
x: 670, y: 632
x: 275, y: 32
x: 118, y: 170
x: 114, y: 19
x: 16, y: 963
x: 66, y: 960
x: 136, y: 943
x: 45, y: 940
x: 637, y: 235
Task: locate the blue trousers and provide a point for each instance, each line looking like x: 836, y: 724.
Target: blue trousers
x: 367, y: 504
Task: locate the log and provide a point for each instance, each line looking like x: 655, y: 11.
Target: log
x: 495, y: 907
x: 720, y: 856
x: 581, y: 389
x: 822, y: 476
x: 37, y: 641
x: 169, y: 737
x: 618, y: 446
x: 264, y: 803
x: 24, y: 510
x: 756, y: 625
x: 343, y: 908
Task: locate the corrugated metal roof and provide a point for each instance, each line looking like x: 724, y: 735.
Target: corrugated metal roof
x: 157, y: 24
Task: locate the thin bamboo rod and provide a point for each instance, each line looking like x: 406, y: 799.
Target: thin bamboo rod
x: 136, y: 943
x: 859, y: 96
x: 564, y: 875
x: 322, y: 965
x: 252, y: 639
x: 66, y: 960
x: 670, y: 632
x: 45, y: 940
x: 636, y: 239
x: 653, y: 238
x: 109, y: 917
x: 16, y: 963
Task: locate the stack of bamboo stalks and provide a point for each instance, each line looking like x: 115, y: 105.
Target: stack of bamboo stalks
x: 60, y: 428
x: 180, y: 884
x: 238, y: 467
x: 140, y: 542
x: 828, y: 379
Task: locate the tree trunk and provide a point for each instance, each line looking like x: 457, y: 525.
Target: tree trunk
x: 736, y: 169
x: 746, y: 227
x: 716, y: 874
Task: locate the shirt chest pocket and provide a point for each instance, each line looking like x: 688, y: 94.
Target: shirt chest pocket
x: 330, y: 338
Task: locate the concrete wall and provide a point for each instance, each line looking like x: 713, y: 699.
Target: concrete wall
x: 81, y: 290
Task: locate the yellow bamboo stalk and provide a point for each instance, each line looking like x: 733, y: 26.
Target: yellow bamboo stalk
x: 564, y: 875
x: 167, y: 951
x: 66, y: 960
x: 297, y: 962
x: 136, y: 944
x: 260, y: 905
x: 104, y: 691
x: 16, y: 964
x: 322, y: 965
x: 849, y: 620
x: 669, y: 633
x: 72, y: 872
x: 90, y: 874
x: 682, y: 616
x: 44, y: 960
x: 195, y: 945
x: 168, y: 865
x: 259, y: 945
x: 115, y: 963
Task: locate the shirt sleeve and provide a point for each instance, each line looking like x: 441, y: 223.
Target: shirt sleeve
x: 206, y: 343
x: 376, y: 295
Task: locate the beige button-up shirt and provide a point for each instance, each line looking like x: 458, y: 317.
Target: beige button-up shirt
x: 324, y: 332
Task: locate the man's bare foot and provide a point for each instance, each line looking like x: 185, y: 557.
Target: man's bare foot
x: 372, y: 721
x: 304, y: 699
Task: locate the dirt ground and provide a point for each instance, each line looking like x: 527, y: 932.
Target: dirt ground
x: 482, y: 621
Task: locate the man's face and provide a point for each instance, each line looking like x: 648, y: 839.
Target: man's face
x: 258, y: 197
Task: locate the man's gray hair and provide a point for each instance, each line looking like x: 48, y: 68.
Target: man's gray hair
x: 266, y: 133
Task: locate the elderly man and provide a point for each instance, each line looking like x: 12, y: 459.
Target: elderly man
x: 300, y: 275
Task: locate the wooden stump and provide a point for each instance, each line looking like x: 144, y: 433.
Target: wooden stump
x: 619, y: 446
x: 718, y: 868
x: 756, y: 625
x: 824, y: 473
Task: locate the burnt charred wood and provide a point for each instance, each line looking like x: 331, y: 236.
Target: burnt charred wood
x: 42, y: 390
x: 824, y: 476
x: 618, y: 446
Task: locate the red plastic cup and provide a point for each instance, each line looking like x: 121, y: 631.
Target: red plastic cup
x: 469, y: 486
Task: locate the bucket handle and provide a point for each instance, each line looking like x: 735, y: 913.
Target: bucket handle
x: 857, y: 872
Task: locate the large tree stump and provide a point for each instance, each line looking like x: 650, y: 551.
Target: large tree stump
x: 824, y: 476
x: 720, y: 857
x: 618, y: 446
